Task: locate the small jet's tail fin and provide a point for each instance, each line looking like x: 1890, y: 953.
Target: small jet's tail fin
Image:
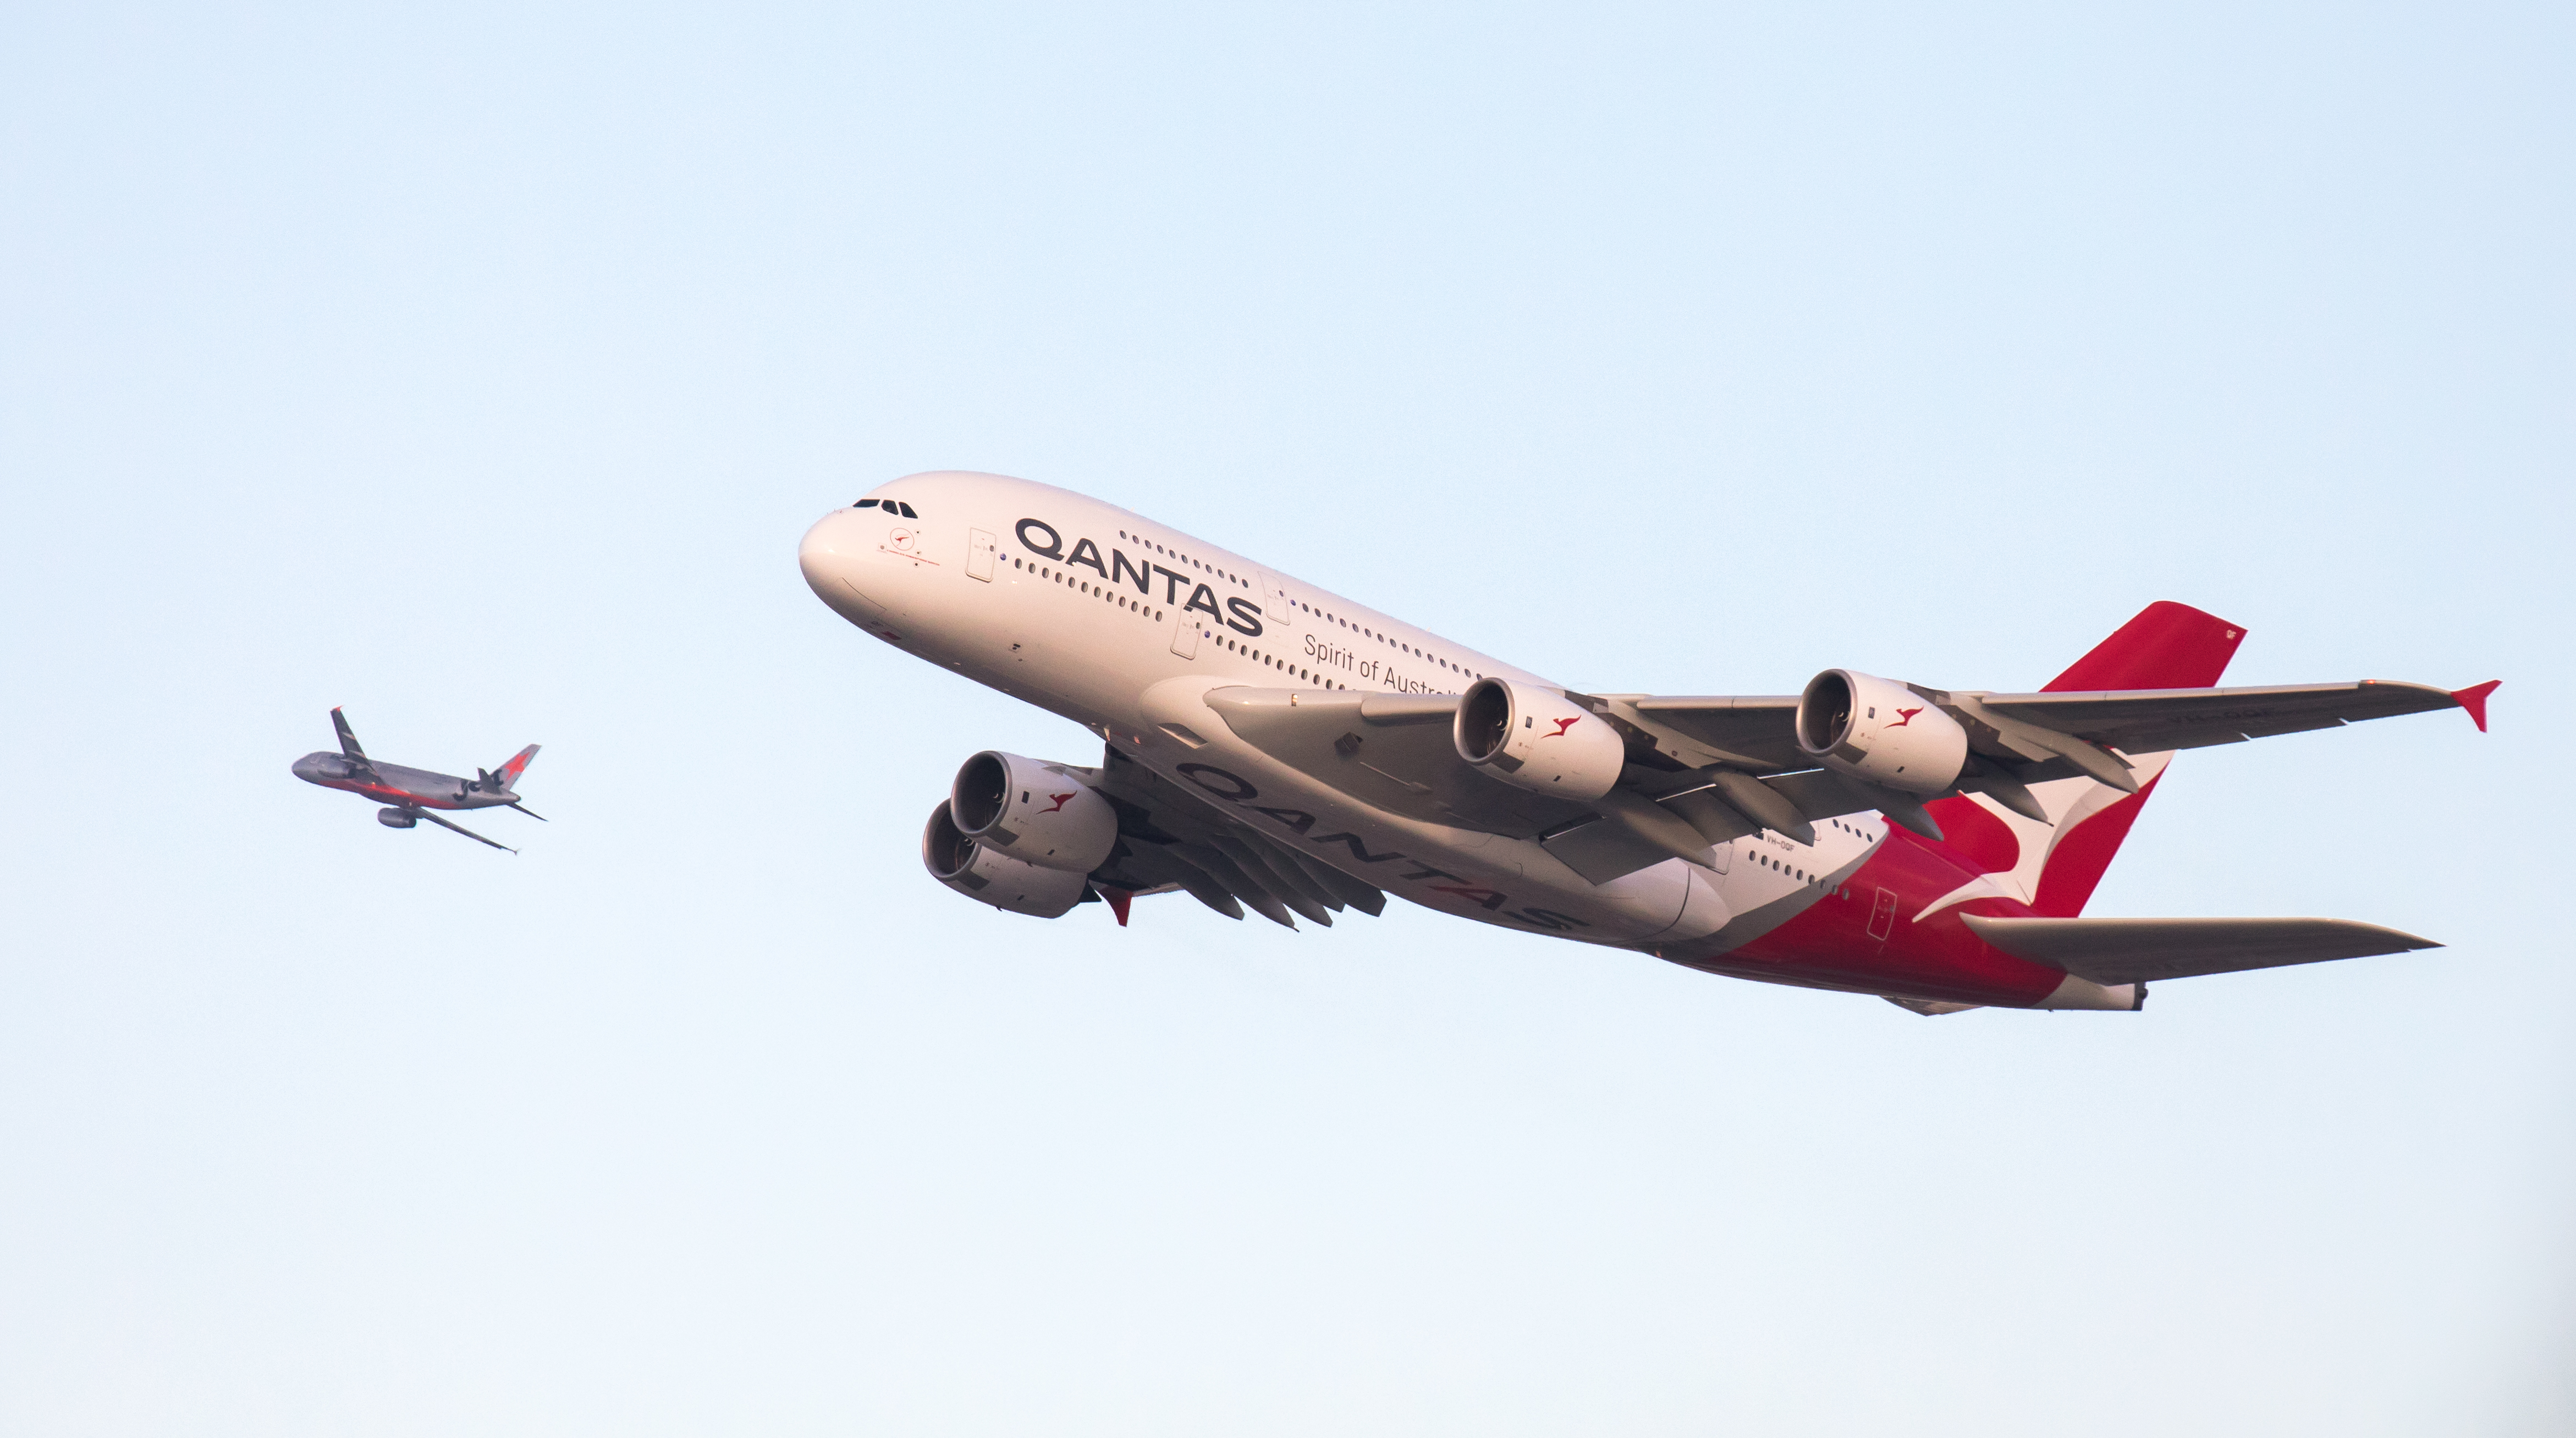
x: 518, y: 765
x: 2167, y: 646
x: 348, y: 736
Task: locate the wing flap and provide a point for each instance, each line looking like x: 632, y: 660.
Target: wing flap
x: 1756, y: 730
x: 1601, y: 850
x: 1168, y: 834
x: 2130, y: 951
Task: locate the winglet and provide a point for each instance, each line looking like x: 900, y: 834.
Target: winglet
x: 2474, y: 699
x: 1118, y: 901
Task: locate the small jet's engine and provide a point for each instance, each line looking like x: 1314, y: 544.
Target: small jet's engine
x: 997, y: 879
x: 397, y: 818
x: 1032, y: 811
x: 1879, y: 731
x: 1537, y: 739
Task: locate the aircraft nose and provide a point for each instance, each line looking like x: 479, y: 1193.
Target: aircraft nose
x: 827, y: 548
x: 831, y: 555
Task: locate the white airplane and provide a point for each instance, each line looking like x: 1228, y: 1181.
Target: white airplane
x: 1275, y: 746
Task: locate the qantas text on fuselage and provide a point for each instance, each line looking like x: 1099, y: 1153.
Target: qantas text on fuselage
x: 1273, y: 746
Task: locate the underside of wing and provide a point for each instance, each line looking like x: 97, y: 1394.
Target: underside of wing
x: 1702, y: 771
x: 1392, y: 751
x: 1759, y: 731
x: 1396, y: 753
x: 1170, y: 838
x: 2127, y: 951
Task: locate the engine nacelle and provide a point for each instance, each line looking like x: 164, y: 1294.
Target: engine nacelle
x: 1033, y: 811
x: 965, y: 865
x: 1878, y: 730
x: 397, y: 818
x: 1537, y: 739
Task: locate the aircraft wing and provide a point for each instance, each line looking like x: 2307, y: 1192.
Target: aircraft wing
x: 2136, y: 721
x: 1758, y: 731
x: 1394, y: 752
x: 2151, y: 721
x: 1172, y: 838
x: 2128, y: 951
x: 461, y: 829
x: 357, y: 757
x: 1706, y: 770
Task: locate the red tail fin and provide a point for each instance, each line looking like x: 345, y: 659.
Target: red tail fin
x: 2168, y: 646
x: 518, y: 765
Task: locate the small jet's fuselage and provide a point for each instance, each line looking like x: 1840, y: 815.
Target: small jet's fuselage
x: 398, y: 784
x: 409, y: 795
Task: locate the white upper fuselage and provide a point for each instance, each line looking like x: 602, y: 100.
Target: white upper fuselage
x: 1123, y: 625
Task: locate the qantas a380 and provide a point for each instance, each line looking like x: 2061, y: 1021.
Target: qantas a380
x: 1276, y: 747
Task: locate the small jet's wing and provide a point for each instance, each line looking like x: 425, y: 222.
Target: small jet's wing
x: 348, y: 736
x: 357, y: 757
x: 459, y: 828
x: 531, y: 813
x: 2129, y: 951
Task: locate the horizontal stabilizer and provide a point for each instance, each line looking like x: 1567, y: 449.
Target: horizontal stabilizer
x: 2130, y: 951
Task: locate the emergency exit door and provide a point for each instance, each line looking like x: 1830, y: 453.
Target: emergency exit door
x: 1882, y: 915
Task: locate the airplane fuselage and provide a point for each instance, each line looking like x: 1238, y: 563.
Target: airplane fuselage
x: 1126, y: 626
x: 398, y: 785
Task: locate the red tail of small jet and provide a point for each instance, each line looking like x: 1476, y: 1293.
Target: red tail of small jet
x: 509, y: 773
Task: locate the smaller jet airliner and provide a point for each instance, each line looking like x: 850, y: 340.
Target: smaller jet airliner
x: 410, y: 794
x: 1275, y: 746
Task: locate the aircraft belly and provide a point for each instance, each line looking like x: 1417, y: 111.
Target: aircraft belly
x: 1847, y: 935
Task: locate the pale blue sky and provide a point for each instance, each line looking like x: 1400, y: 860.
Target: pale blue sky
x: 478, y: 368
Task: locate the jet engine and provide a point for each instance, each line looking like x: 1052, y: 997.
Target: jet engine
x: 1539, y: 740
x: 1879, y: 731
x: 397, y: 818
x: 992, y: 878
x: 1033, y: 811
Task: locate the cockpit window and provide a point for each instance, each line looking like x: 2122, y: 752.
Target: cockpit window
x: 865, y: 504
x: 907, y: 511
